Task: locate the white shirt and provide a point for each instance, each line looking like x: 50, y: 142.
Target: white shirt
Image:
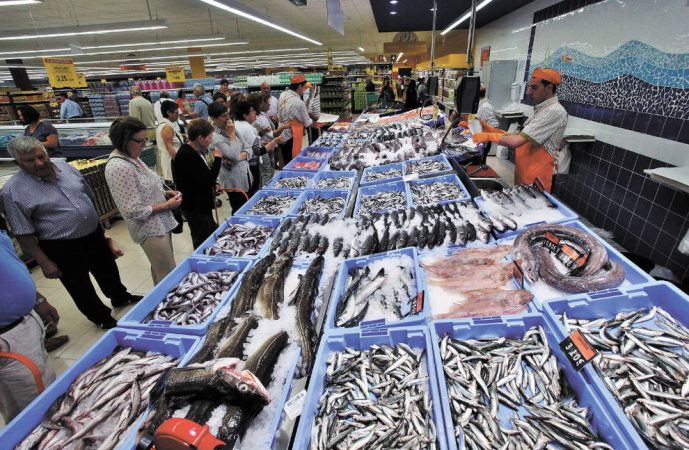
x: 156, y: 110
x: 546, y: 127
x: 291, y: 106
x: 273, y: 110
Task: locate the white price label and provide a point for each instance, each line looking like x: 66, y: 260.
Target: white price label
x: 411, y: 177
x: 294, y: 405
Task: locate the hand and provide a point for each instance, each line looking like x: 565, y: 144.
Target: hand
x: 227, y: 163
x: 482, y: 138
x: 114, y: 249
x: 243, y: 155
x: 47, y: 313
x: 230, y: 128
x: 174, y: 202
x: 464, y: 124
x: 487, y: 128
x: 218, y: 188
x: 272, y: 144
x: 171, y: 194
x: 284, y: 126
x: 50, y: 270
x: 217, y: 153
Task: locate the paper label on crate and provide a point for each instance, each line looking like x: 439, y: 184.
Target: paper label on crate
x: 419, y: 302
x: 411, y: 177
x: 295, y: 405
x: 577, y: 349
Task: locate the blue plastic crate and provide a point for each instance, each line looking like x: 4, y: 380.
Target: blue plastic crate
x: 600, y: 417
x: 292, y: 165
x: 633, y: 274
x: 451, y: 178
x: 607, y: 304
x: 317, y: 152
x: 340, y: 283
x: 415, y: 337
x: 178, y: 346
x: 323, y: 193
x: 244, y: 210
x: 351, y: 174
x: 290, y: 174
x: 566, y: 215
x: 134, y: 318
x: 273, y: 222
x: 441, y: 158
x: 376, y: 169
x: 382, y: 187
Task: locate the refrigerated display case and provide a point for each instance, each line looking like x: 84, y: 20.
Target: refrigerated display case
x: 77, y: 140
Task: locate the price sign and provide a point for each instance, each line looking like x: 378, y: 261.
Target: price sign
x: 175, y: 74
x: 81, y: 80
x: 578, y: 350
x: 61, y: 72
x: 295, y: 405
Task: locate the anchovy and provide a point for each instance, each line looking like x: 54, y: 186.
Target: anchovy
x: 334, y: 183
x: 322, y: 205
x: 292, y: 183
x: 423, y: 194
x: 383, y: 175
x: 240, y: 240
x: 272, y: 205
x: 426, y: 166
x: 381, y: 201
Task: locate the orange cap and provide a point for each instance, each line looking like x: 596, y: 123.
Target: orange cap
x: 553, y: 76
x: 298, y: 78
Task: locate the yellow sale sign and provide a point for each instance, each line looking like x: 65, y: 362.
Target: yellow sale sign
x: 175, y: 74
x: 81, y: 80
x: 61, y: 72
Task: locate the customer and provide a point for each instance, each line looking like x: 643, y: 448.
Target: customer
x: 225, y: 88
x: 234, y: 172
x: 69, y: 109
x: 183, y: 104
x: 203, y: 100
x: 140, y: 195
x: 387, y: 95
x: 244, y: 116
x: 195, y: 169
x: 421, y: 91
x: 410, y: 99
x: 21, y: 332
x: 266, y: 132
x: 292, y: 109
x: 168, y: 137
x: 370, y: 86
x: 219, y: 97
x: 140, y: 108
x: 50, y: 209
x: 44, y: 131
x: 273, y: 102
x: 164, y: 95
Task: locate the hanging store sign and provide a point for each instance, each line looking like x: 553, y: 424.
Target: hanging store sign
x: 61, y: 72
x: 175, y: 74
x: 81, y: 80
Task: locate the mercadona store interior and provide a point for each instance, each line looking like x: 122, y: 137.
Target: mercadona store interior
x: 409, y: 279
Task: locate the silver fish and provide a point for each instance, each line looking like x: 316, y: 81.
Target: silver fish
x: 334, y: 183
x: 292, y: 183
x: 423, y: 194
x: 272, y: 205
x: 240, y: 240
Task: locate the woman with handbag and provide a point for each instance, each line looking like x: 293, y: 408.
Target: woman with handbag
x: 140, y: 196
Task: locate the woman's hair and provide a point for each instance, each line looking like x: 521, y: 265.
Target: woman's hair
x: 181, y: 94
x: 168, y: 107
x: 122, y: 130
x: 216, y: 110
x: 218, y: 95
x: 198, y: 128
x: 256, y: 100
x: 241, y: 110
x: 29, y: 114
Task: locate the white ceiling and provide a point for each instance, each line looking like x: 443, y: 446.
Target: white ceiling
x: 192, y: 18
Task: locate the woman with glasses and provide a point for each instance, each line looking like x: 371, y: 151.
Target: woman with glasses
x: 168, y: 137
x: 140, y: 196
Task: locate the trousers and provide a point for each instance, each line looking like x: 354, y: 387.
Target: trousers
x: 76, y: 258
x: 201, y: 225
x: 17, y: 385
x: 160, y: 254
x: 267, y: 164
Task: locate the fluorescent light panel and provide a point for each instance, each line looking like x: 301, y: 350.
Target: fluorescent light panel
x: 237, y: 8
x: 105, y: 28
x: 361, y: 49
x: 456, y: 23
x: 19, y: 2
x: 198, y: 54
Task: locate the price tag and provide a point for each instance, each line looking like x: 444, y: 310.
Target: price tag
x: 295, y: 405
x: 578, y: 350
x: 419, y: 302
x: 175, y: 74
x: 61, y: 72
x: 411, y: 177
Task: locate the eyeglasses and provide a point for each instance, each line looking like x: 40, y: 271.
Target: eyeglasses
x: 139, y: 141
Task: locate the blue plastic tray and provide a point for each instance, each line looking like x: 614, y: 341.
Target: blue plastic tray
x: 383, y: 168
x: 600, y: 418
x: 415, y: 337
x: 325, y: 193
x: 607, y: 304
x: 440, y: 158
x: 633, y: 274
x: 290, y: 174
x: 169, y: 344
x: 134, y: 318
x: 567, y: 215
x: 382, y: 187
x: 339, y: 288
x: 452, y: 178
x: 323, y: 152
x: 351, y: 174
x: 297, y: 159
x: 261, y: 221
x: 243, y: 211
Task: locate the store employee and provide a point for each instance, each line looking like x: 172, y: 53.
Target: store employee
x: 538, y: 146
x: 69, y: 109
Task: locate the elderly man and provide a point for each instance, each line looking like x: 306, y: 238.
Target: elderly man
x: 292, y: 109
x: 538, y: 146
x: 140, y: 108
x: 203, y: 99
x: 69, y: 109
x: 50, y: 209
x: 273, y: 102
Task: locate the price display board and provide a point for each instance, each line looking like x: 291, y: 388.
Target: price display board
x: 61, y: 72
x: 175, y: 74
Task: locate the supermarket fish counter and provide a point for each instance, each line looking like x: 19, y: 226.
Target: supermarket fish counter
x: 365, y: 299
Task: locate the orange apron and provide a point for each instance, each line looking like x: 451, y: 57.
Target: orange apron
x: 297, y: 136
x: 531, y: 163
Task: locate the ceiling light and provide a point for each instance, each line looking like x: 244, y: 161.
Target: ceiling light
x: 200, y: 54
x: 393, y: 2
x: 178, y: 41
x: 156, y: 49
x: 464, y: 17
x: 361, y: 49
x: 237, y: 8
x: 400, y: 56
x: 405, y: 60
x: 19, y: 2
x: 85, y: 30
x: 393, y: 12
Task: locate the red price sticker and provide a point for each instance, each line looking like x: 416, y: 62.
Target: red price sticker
x: 577, y: 349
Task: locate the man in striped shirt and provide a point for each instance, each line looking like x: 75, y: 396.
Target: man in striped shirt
x: 538, y: 146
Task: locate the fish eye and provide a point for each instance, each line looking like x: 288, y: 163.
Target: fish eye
x: 243, y: 388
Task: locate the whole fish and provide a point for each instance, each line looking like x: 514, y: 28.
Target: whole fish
x: 272, y: 205
x: 240, y: 240
x: 232, y: 347
x: 304, y: 299
x: 244, y: 299
x: 334, y: 183
x: 291, y: 183
x: 489, y: 302
x: 322, y: 205
x: 426, y: 166
x: 271, y: 293
x: 423, y: 194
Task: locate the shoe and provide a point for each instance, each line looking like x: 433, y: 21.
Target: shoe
x: 127, y: 300
x: 108, y: 324
x: 54, y: 343
x: 50, y: 329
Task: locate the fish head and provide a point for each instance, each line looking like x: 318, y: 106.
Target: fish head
x: 243, y: 384
x: 528, y: 265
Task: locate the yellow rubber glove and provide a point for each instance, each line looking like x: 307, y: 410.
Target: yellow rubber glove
x: 482, y: 138
x: 488, y: 129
